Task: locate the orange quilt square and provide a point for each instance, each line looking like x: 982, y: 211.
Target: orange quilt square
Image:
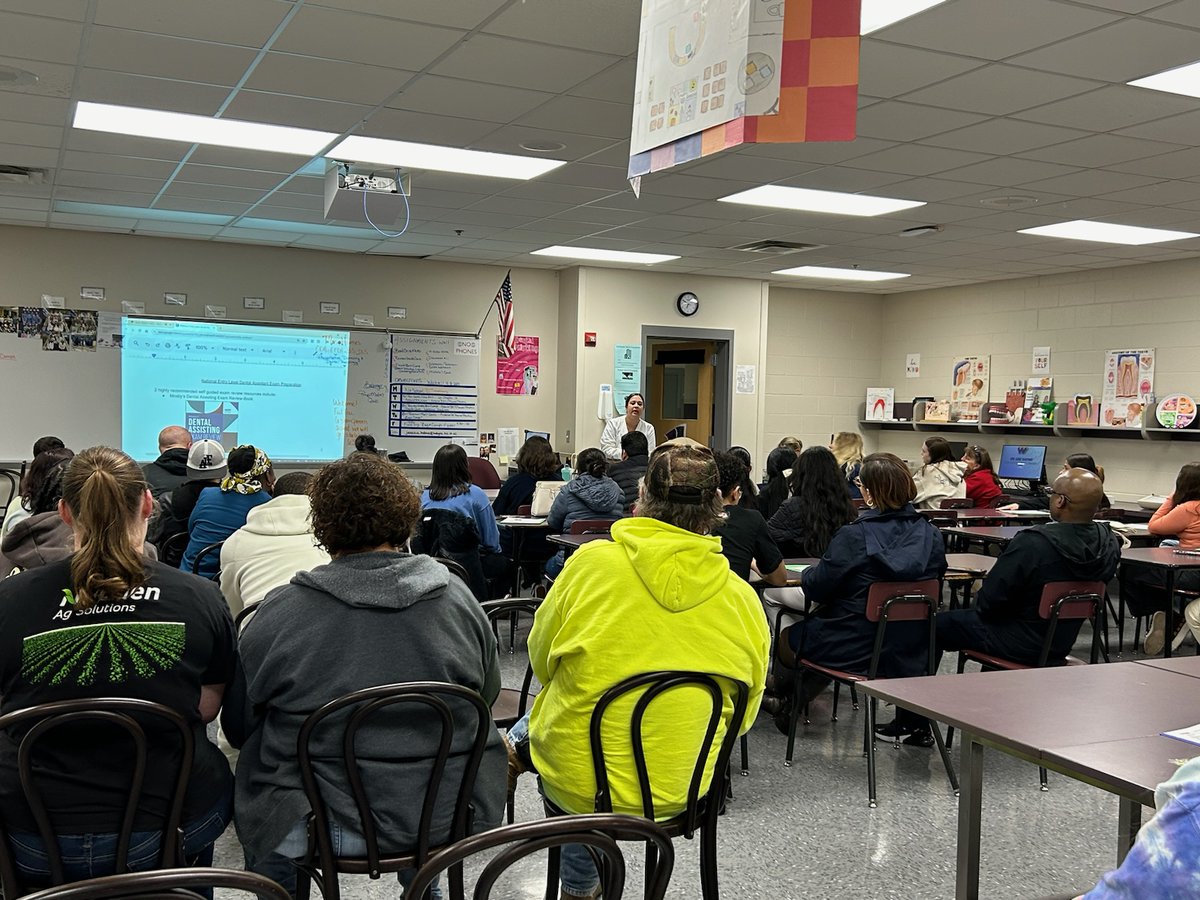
x: 833, y: 61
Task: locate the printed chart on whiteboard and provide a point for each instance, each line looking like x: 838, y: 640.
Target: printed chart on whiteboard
x: 430, y: 394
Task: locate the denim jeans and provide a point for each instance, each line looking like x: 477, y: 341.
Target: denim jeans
x: 577, y: 870
x: 555, y: 564
x: 93, y: 855
x: 279, y: 865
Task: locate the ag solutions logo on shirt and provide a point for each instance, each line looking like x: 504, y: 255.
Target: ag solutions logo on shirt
x: 211, y: 424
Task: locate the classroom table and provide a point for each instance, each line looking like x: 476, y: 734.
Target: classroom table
x: 1097, y: 724
x: 491, y: 493
x: 1181, y: 665
x: 986, y: 534
x: 793, y: 577
x: 521, y: 526
x: 1170, y: 562
x: 966, y: 568
x: 572, y: 542
x: 999, y: 516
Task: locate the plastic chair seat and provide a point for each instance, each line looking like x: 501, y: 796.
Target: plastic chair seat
x: 835, y: 674
x: 507, y: 708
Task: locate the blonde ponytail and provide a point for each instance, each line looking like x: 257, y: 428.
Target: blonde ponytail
x: 103, y: 488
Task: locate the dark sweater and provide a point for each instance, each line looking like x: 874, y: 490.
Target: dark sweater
x: 627, y: 473
x: 406, y: 619
x: 167, y: 472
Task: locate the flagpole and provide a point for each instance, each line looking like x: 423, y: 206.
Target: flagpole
x: 495, y: 304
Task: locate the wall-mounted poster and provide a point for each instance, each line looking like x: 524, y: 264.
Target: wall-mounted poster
x: 1128, y: 388
x: 518, y: 374
x: 968, y: 387
x: 881, y: 404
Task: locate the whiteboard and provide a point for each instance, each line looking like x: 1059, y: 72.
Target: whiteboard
x: 76, y: 394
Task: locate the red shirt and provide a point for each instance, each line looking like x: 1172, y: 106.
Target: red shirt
x: 982, y: 487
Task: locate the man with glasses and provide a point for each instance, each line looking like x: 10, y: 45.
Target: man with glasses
x: 1071, y: 547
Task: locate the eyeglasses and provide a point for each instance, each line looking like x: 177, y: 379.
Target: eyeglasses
x: 1065, y: 498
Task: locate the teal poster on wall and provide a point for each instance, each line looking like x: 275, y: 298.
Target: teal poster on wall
x: 627, y: 372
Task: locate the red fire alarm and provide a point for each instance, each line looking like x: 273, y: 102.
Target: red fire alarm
x: 589, y: 339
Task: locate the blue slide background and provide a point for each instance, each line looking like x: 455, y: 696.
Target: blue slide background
x: 281, y: 389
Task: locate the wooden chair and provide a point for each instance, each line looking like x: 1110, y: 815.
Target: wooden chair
x: 436, y: 703
x: 165, y: 884
x: 700, y: 812
x: 598, y: 832
x: 957, y: 503
x: 122, y: 718
x: 1062, y: 601
x: 887, y: 603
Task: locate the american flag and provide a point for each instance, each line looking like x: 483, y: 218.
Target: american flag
x: 504, y: 302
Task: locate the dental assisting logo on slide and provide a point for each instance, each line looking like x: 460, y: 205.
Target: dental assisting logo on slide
x: 211, y: 424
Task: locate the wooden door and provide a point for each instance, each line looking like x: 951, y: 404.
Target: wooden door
x: 681, y: 388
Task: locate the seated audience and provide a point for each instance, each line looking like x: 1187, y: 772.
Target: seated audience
x: 1071, y: 547
x: 591, y: 494
x: 890, y: 541
x: 406, y: 619
x: 275, y: 543
x: 847, y: 449
x: 536, y: 461
x: 658, y: 596
x: 635, y: 456
x: 1162, y: 862
x: 1178, y: 517
x: 450, y: 488
x: 791, y: 443
x: 820, y: 505
x: 18, y: 508
x: 169, y: 471
x: 45, y: 536
x: 156, y: 634
x: 779, y: 468
x: 1086, y: 462
x: 220, y: 513
x: 940, y: 477
x: 982, y: 485
x: 749, y: 495
x: 743, y: 533
x: 205, y: 469
x: 16, y: 529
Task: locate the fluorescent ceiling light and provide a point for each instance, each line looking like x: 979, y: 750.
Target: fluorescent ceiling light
x: 591, y: 253
x: 878, y: 14
x: 433, y: 158
x: 189, y: 129
x: 1184, y: 80
x: 830, y: 274
x: 1108, y: 233
x: 806, y: 200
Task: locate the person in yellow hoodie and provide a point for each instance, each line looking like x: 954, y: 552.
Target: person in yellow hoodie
x: 659, y: 596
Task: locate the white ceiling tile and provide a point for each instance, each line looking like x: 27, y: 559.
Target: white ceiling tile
x: 609, y: 26
x: 825, y: 152
x: 185, y: 190
x: 889, y: 70
x: 459, y: 14
x: 119, y: 164
x: 195, y: 204
x: 1003, y: 136
x: 368, y: 40
x: 341, y: 244
x: 1182, y: 12
x: 583, y: 116
x: 899, y: 121
x: 35, y: 157
x: 1161, y: 193
x: 845, y: 178
x: 39, y: 38
x: 911, y: 159
x: 29, y: 134
x: 991, y: 30
x: 1180, y: 164
x: 97, y: 222
x: 745, y: 168
x: 929, y: 189
x: 1118, y: 53
x: 208, y: 21
x: 1180, y: 129
x: 615, y: 83
x: 1125, y: 6
x: 555, y: 193
x: 120, y: 50
x: 248, y: 159
x: 509, y: 138
x: 469, y: 99
x: 327, y: 79
x: 279, y: 213
x: 30, y: 108
x: 648, y: 204
x: 103, y: 86
x: 522, y: 64
x: 75, y: 10
x: 1101, y: 150
x: 114, y: 198
x: 448, y: 131
x: 1109, y: 109
x: 108, y: 182
x: 298, y: 112
x: 999, y: 90
x: 1092, y: 183
x: 531, y: 209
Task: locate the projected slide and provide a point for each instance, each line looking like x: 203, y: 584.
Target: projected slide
x: 283, y: 389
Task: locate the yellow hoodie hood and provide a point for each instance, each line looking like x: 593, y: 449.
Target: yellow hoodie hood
x: 680, y: 569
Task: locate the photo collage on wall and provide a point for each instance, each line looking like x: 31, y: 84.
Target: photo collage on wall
x: 58, y: 329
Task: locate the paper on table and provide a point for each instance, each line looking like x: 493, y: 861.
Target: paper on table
x: 798, y: 567
x: 521, y: 520
x: 1190, y: 734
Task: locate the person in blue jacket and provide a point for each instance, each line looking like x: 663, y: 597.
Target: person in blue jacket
x: 218, y: 514
x: 591, y: 494
x: 450, y: 487
x: 890, y: 541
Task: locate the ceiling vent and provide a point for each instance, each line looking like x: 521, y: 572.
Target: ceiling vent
x: 775, y: 248
x: 21, y: 175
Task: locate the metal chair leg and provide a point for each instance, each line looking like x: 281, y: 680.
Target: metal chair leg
x: 837, y: 690
x: 1042, y: 777
x: 793, y: 716
x: 946, y: 761
x: 745, y: 755
x: 870, y: 726
x: 854, y: 697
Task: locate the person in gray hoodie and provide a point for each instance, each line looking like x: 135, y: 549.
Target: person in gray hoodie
x: 372, y: 616
x: 940, y: 477
x: 591, y: 494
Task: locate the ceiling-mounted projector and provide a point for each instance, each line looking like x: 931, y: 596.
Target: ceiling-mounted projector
x: 347, y: 186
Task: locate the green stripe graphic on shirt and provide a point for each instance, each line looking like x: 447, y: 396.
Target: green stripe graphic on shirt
x: 112, y: 652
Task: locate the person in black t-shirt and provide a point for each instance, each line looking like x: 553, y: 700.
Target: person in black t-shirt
x: 743, y: 534
x: 108, y: 622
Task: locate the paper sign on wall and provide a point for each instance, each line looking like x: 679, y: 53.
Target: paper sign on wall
x: 745, y: 379
x: 518, y: 373
x: 969, y: 377
x: 1041, y: 361
x: 292, y: 316
x: 1128, y: 388
x: 912, y: 365
x: 627, y: 369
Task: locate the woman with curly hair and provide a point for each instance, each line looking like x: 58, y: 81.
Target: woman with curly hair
x: 407, y: 619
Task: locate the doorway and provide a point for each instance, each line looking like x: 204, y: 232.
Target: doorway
x: 680, y: 402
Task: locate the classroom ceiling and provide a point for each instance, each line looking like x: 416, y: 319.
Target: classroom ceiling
x: 1001, y: 115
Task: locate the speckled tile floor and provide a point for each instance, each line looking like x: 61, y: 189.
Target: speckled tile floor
x: 808, y: 832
